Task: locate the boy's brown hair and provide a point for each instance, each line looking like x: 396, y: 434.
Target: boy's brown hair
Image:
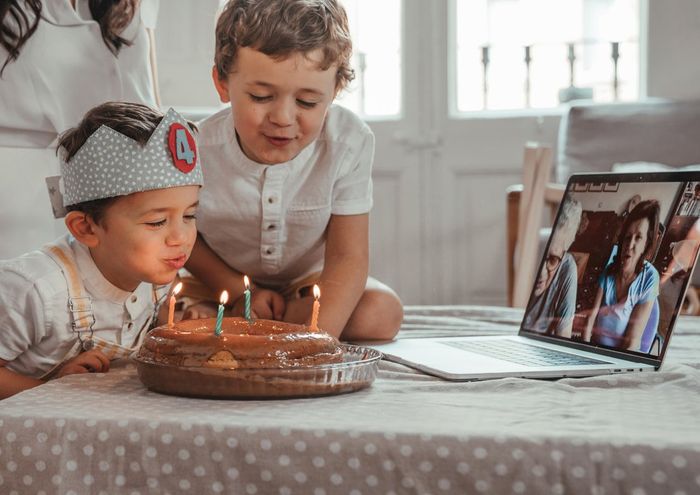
x: 133, y: 120
x: 279, y: 28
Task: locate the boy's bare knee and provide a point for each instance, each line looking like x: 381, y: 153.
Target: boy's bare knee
x: 378, y: 316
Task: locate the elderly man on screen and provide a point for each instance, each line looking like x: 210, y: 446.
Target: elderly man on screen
x: 553, y: 302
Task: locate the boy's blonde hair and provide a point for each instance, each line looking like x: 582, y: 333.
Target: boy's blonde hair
x: 279, y: 28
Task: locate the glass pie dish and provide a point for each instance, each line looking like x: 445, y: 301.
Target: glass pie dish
x: 356, y: 371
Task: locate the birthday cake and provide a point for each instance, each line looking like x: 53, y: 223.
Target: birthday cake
x: 258, y: 359
x: 241, y: 344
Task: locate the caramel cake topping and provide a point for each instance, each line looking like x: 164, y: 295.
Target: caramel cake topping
x: 241, y: 345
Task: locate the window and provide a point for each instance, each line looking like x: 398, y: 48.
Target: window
x: 375, y: 28
x: 537, y: 53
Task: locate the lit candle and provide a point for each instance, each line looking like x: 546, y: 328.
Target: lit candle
x: 246, y: 282
x: 171, y: 308
x: 316, y: 309
x: 220, y: 315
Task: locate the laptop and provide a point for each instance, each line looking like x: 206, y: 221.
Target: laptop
x: 607, y: 293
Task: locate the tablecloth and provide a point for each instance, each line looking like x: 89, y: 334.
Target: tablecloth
x: 408, y: 433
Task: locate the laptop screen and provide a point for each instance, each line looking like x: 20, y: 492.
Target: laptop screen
x: 619, y: 258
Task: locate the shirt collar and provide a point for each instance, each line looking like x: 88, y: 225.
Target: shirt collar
x: 62, y: 13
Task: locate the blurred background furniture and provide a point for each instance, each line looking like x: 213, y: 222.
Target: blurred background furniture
x: 649, y: 135
x: 537, y: 166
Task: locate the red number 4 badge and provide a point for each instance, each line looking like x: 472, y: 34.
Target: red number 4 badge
x: 182, y: 147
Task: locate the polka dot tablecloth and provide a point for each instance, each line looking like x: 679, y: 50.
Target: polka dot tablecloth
x: 409, y: 433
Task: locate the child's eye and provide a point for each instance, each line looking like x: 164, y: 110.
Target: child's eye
x: 191, y: 217
x: 307, y: 104
x: 159, y: 223
x: 259, y: 99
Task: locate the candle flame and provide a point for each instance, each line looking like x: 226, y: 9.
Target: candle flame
x: 177, y: 288
x: 246, y: 282
x: 317, y: 292
x: 224, y: 297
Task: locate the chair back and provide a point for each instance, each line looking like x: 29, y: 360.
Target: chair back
x: 593, y: 136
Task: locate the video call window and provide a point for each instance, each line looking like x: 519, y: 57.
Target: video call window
x: 617, y: 264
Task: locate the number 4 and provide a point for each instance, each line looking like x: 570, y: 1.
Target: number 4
x: 182, y: 147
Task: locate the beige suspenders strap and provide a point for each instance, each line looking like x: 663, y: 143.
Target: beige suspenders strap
x: 79, y: 303
x: 82, y: 317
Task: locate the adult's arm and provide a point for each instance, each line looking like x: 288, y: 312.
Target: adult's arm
x: 566, y: 306
x: 639, y: 318
x: 592, y: 315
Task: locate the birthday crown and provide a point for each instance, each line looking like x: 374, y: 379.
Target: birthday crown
x: 111, y: 164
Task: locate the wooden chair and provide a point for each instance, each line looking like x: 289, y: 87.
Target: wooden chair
x: 525, y: 205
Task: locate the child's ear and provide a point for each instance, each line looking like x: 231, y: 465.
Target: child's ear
x: 83, y: 228
x: 221, y: 86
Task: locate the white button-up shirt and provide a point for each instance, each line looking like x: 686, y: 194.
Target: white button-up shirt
x: 65, y: 69
x: 269, y: 221
x: 35, y: 324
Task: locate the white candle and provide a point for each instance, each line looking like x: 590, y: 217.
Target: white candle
x: 171, y: 309
x: 316, y: 309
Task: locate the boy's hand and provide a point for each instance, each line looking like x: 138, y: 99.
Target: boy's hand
x: 86, y: 362
x: 200, y: 310
x: 299, y: 311
x: 264, y: 303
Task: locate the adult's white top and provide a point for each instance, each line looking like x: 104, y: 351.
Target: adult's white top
x: 65, y: 69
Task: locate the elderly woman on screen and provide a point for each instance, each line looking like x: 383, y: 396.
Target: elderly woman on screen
x: 553, y: 303
x: 629, y: 286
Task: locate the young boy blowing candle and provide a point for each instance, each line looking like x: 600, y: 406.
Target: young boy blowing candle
x: 131, y: 180
x: 288, y: 187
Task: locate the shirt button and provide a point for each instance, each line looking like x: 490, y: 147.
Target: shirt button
x: 270, y: 250
x: 271, y: 226
x: 131, y: 324
x: 271, y: 199
x: 134, y: 298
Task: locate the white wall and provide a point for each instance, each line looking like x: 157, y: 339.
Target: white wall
x: 185, y: 52
x: 673, y: 48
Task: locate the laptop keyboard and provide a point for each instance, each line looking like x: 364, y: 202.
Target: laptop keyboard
x: 521, y: 353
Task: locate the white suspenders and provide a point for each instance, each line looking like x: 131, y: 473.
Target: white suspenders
x: 82, y: 316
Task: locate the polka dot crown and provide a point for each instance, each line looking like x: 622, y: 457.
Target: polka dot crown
x: 111, y: 164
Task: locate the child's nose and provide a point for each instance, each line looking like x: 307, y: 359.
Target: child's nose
x: 177, y: 234
x: 282, y: 113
